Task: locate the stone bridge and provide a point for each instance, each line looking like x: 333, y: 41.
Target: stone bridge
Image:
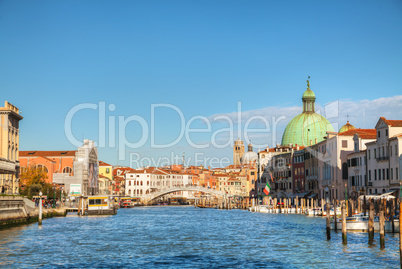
x: 153, y: 195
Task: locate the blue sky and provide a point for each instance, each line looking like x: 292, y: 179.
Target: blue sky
x: 202, y: 57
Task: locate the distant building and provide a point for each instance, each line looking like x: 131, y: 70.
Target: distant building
x: 298, y: 171
x: 52, y: 162
x: 105, y: 178
x: 384, y: 157
x: 77, y: 170
x: 9, y: 148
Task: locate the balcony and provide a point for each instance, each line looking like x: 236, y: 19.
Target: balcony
x: 326, y: 182
x: 394, y: 182
x: 7, y: 167
x: 380, y: 159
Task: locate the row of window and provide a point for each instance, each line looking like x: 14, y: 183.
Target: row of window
x: 384, y: 174
x: 382, y: 153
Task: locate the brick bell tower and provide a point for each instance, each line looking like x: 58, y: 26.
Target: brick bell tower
x: 238, y: 152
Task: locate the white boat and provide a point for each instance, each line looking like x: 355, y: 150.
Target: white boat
x: 359, y: 223
x: 313, y: 212
x: 331, y: 212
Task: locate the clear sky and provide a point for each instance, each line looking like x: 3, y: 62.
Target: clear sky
x: 202, y: 57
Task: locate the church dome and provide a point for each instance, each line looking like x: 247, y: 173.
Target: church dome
x: 250, y: 156
x: 307, y: 128
x: 346, y: 127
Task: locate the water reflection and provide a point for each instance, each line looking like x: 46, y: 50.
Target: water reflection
x: 184, y: 237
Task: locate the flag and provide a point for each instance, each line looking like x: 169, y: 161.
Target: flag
x: 267, y: 189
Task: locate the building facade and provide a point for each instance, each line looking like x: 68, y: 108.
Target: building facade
x: 9, y: 149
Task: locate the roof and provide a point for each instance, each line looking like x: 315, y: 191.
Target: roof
x: 104, y: 164
x: 35, y: 153
x: 362, y: 133
x: 393, y: 123
x: 305, y: 129
x: 308, y: 94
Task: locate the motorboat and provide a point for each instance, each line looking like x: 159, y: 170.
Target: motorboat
x: 331, y: 212
x: 313, y: 212
x: 359, y: 223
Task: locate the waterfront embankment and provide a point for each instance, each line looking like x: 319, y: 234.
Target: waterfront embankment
x: 17, y: 210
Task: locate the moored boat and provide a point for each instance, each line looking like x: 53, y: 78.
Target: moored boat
x: 359, y: 223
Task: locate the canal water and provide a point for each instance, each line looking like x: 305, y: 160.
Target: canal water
x: 185, y: 237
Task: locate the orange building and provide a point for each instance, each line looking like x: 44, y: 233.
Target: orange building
x: 53, y: 162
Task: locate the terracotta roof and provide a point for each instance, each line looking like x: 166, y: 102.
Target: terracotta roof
x: 363, y: 133
x: 104, y: 164
x: 123, y: 169
x: 36, y: 153
x: 393, y: 123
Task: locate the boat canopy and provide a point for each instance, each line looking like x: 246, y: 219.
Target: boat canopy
x: 301, y: 195
x: 376, y: 197
x: 314, y: 195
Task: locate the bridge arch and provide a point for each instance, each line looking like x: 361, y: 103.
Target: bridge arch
x: 153, y: 195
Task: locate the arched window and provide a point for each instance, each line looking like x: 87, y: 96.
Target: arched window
x: 42, y: 167
x: 140, y: 191
x: 68, y: 170
x: 141, y: 184
x: 129, y: 192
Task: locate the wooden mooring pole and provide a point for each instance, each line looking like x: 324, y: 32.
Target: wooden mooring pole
x: 344, y: 231
x: 400, y: 234
x: 328, y: 223
x: 371, y: 223
x: 335, y: 216
x: 382, y: 224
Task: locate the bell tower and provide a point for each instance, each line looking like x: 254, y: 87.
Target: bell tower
x: 238, y: 152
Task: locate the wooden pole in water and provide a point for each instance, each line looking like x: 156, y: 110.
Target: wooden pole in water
x: 371, y: 223
x: 335, y: 216
x: 352, y: 206
x: 392, y: 214
x: 290, y: 205
x: 365, y: 205
x: 344, y: 232
x: 296, y: 204
x: 328, y: 223
x: 322, y: 206
x: 382, y: 224
x: 400, y: 234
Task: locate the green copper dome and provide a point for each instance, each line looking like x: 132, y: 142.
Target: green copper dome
x: 308, y: 94
x: 307, y: 128
x: 346, y: 127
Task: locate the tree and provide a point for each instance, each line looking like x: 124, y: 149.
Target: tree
x: 33, y: 180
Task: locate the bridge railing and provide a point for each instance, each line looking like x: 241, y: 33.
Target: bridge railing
x: 187, y: 187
